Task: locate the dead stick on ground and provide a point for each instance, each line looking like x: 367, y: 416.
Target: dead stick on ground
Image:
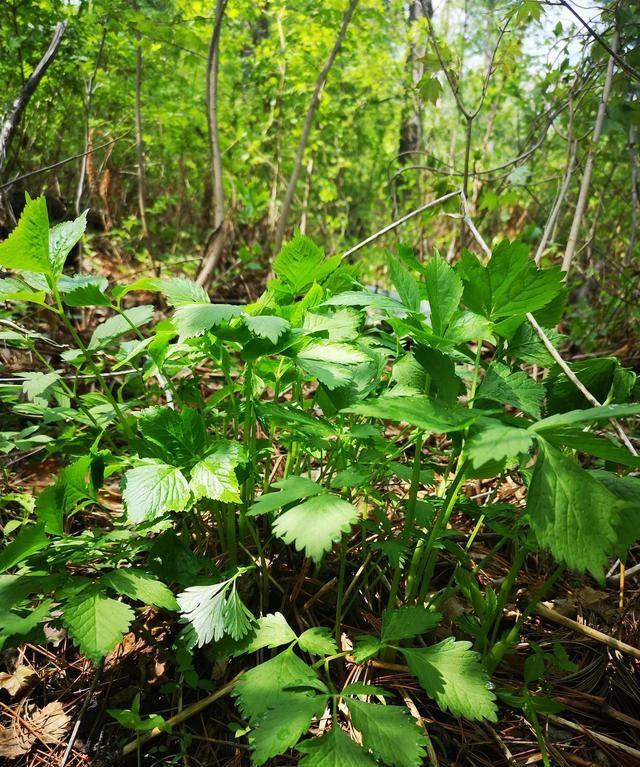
x: 561, y: 722
x: 580, y: 628
x: 185, y: 714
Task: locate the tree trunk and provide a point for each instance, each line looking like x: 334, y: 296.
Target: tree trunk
x: 10, y: 125
x: 306, y: 130
x: 215, y: 241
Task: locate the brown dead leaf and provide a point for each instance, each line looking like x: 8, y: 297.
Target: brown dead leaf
x: 15, y: 741
x: 19, y: 680
x: 50, y: 723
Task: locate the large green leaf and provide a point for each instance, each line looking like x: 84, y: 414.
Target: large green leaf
x: 191, y: 320
x: 83, y: 290
x: 140, y: 585
x: 390, y: 732
x: 571, y: 513
x: 28, y: 541
x: 291, y: 489
x: 444, y: 291
x: 496, y: 441
x: 281, y: 727
x: 96, y: 622
x: 263, y: 686
x: 153, y: 489
x: 215, y: 477
x: 408, y: 622
x: 316, y: 524
x: 267, y: 326
x: 62, y: 238
x: 203, y: 607
x: 419, y: 411
x: 175, y: 436
x: 27, y: 247
x: 111, y: 330
x: 333, y: 364
x: 270, y: 631
x: 452, y: 674
x: 334, y: 749
x: 407, y: 287
x: 591, y: 415
x: 516, y: 389
x: 300, y: 263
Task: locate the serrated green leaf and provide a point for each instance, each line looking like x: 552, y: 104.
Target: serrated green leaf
x: 290, y: 489
x: 237, y: 616
x: 82, y: 290
x: 29, y: 540
x: 281, y: 727
x: 516, y: 389
x: 444, y: 291
x: 267, y: 326
x: 316, y: 524
x: 27, y: 247
x: 452, y: 674
x: 300, y: 263
x: 175, y: 436
x: 37, y: 384
x: 115, y: 327
x: 390, y: 732
x: 335, y: 749
x: 496, y: 441
x: 96, y: 623
x: 406, y: 285
x: 263, y: 686
x: 407, y: 622
x: 419, y: 411
x: 270, y: 631
x: 333, y: 364
x: 203, y: 607
x: 153, y: 489
x: 215, y: 477
x: 585, y: 442
x: 192, y: 320
x: 62, y: 238
x: 366, y: 298
x: 341, y: 325
x: 179, y: 291
x: 318, y: 640
x: 140, y: 585
x: 571, y: 513
x: 366, y: 647
x: 591, y: 415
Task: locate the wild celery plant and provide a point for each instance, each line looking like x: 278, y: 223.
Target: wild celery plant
x: 239, y: 430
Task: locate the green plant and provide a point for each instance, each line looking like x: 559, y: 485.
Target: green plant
x: 291, y: 447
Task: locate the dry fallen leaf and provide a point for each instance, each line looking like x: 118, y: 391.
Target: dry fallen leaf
x: 15, y: 741
x: 50, y: 723
x: 47, y: 725
x: 19, y: 680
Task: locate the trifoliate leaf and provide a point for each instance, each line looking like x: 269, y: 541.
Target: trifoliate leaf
x: 316, y: 524
x: 111, y: 330
x: 96, y: 622
x: 301, y: 262
x: 419, y: 411
x: 27, y: 247
x: 516, y: 389
x: 452, y: 674
x: 237, y: 616
x: 407, y: 622
x: 151, y: 490
x: 444, y: 291
x: 203, y: 607
x: 215, y: 477
x: 281, y: 727
x: 263, y: 686
x: 62, y: 238
x: 335, y: 749
x: 140, y: 585
x: 318, y: 641
x: 270, y: 631
x: 291, y: 489
x: 191, y: 320
x: 267, y: 326
x: 571, y: 513
x: 497, y: 441
x: 390, y: 732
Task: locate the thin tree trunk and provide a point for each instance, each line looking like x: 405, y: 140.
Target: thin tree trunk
x: 83, y: 162
x: 213, y: 247
x: 307, y: 195
x: 634, y: 136
x: 559, y: 201
x: 306, y: 130
x: 10, y: 124
x: 588, y: 167
x: 139, y: 138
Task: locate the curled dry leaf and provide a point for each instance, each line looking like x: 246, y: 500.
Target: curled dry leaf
x: 47, y: 725
x: 19, y: 680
